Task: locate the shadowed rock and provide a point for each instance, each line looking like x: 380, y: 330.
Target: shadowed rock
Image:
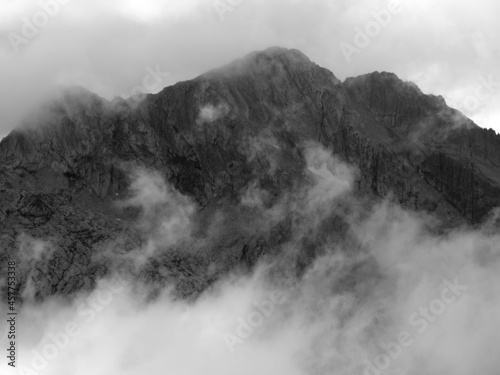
x: 211, y: 138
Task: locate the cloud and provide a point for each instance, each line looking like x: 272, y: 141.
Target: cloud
x: 359, y: 296
x: 106, y: 47
x: 305, y: 207
x: 165, y: 216
x: 392, y: 296
x: 351, y: 311
x: 210, y: 113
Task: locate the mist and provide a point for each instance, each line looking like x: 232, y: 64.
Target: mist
x: 396, y: 298
x: 111, y: 48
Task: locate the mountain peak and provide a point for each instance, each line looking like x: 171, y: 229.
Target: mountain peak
x: 271, y: 61
x: 283, y: 53
x: 380, y: 80
x: 242, y: 128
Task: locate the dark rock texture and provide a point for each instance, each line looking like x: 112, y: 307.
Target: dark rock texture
x: 211, y: 138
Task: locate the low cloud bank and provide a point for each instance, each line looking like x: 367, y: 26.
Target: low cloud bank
x: 397, y: 300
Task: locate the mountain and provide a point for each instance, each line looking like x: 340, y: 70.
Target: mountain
x: 68, y: 174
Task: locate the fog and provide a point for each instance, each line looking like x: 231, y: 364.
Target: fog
x: 111, y: 47
x: 398, y: 299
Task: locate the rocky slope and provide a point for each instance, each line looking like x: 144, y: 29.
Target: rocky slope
x: 212, y: 138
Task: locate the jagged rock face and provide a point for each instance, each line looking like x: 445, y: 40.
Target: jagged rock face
x: 454, y: 156
x: 211, y: 138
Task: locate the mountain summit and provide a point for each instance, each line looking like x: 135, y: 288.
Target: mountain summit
x: 65, y: 172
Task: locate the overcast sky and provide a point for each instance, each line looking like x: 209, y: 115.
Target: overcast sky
x: 446, y: 47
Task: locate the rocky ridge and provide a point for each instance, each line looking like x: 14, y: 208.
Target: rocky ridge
x: 211, y: 138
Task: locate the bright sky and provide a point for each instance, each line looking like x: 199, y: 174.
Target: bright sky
x: 446, y: 47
